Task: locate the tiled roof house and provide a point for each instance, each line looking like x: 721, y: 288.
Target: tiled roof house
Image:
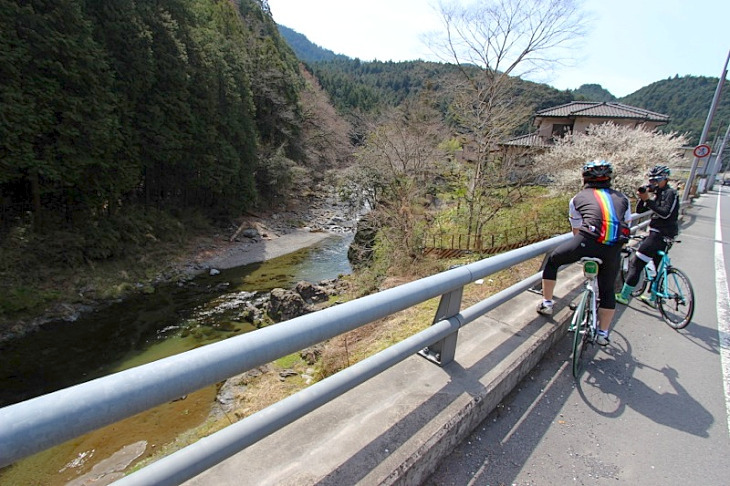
x: 578, y: 115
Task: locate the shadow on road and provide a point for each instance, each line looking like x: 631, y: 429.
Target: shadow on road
x: 500, y: 449
x: 614, y: 376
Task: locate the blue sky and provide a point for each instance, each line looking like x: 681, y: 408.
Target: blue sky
x: 630, y: 43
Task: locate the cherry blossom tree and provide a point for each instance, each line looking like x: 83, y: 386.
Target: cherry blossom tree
x: 631, y: 151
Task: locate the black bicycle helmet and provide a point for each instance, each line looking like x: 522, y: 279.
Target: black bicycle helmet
x: 658, y: 173
x: 597, y: 170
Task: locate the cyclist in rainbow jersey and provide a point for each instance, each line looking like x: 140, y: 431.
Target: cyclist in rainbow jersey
x: 599, y: 217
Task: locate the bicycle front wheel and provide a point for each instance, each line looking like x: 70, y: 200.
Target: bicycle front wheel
x: 582, y: 320
x: 676, y: 298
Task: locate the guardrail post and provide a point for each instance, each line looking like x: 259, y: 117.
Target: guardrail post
x: 443, y: 352
x: 537, y: 288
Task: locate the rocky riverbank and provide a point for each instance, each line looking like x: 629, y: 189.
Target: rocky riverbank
x: 250, y: 239
x: 264, y: 236
x: 256, y: 238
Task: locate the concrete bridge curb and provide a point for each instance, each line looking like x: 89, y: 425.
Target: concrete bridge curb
x: 395, y: 428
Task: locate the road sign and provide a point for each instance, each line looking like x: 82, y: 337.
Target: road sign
x: 701, y: 151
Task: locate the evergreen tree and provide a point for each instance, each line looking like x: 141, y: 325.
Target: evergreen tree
x: 221, y: 94
x: 120, y: 29
x: 687, y: 100
x: 60, y: 130
x: 172, y: 104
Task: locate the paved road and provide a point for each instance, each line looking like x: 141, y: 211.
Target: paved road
x: 651, y: 409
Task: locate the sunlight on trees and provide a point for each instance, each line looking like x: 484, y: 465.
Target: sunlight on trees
x: 325, y: 134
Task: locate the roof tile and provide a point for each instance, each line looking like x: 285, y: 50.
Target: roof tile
x: 529, y: 140
x: 597, y: 109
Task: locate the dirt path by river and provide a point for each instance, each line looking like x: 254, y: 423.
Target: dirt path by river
x: 276, y: 234
x: 236, y: 254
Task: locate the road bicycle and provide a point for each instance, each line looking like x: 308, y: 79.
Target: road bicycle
x: 584, y: 323
x: 669, y: 288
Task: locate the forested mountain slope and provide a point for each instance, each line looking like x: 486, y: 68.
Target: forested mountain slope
x: 355, y: 84
x: 174, y: 105
x: 306, y: 50
x: 370, y: 86
x: 687, y: 101
x: 593, y: 92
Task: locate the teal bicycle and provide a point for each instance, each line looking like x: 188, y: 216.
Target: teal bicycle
x: 584, y: 323
x: 669, y: 288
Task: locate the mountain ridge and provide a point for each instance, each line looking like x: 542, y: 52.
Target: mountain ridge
x: 685, y: 99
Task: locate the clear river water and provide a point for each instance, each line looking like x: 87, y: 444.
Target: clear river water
x: 139, y: 330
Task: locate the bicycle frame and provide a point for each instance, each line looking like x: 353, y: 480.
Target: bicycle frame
x: 655, y: 279
x: 590, y: 291
x: 585, y: 318
x: 669, y: 288
x: 660, y: 273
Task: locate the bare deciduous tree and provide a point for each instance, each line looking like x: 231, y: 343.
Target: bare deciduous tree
x: 395, y: 169
x: 326, y: 134
x: 508, y: 37
x: 492, y: 42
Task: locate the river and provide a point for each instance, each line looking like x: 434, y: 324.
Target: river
x: 141, y: 329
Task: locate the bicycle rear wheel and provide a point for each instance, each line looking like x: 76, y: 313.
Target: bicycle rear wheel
x: 678, y: 306
x: 624, y: 265
x: 582, y: 320
x: 622, y: 272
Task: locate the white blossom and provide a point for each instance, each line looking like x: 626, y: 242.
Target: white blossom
x: 631, y: 151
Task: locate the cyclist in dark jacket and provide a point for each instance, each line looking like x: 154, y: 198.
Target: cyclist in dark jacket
x: 664, y: 224
x: 599, y: 217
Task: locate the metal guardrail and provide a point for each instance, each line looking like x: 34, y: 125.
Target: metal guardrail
x: 43, y: 422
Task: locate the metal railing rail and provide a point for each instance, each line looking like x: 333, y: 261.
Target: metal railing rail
x: 207, y: 452
x: 43, y: 422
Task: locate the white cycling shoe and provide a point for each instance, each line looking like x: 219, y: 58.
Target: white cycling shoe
x: 545, y: 308
x: 602, y: 339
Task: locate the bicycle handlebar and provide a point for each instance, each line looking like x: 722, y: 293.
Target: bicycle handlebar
x: 667, y: 239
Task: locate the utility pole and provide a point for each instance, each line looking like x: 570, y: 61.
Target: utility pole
x: 708, y: 122
x: 718, y: 159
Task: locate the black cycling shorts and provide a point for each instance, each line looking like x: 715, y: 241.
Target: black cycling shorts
x: 583, y: 246
x: 649, y: 247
